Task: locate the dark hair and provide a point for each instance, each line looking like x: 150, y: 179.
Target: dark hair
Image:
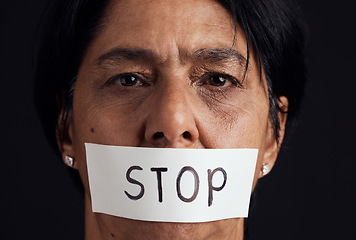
x: 276, y: 31
x: 68, y: 27
x: 273, y: 29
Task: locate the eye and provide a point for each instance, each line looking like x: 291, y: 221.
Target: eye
x: 218, y: 81
x: 128, y: 80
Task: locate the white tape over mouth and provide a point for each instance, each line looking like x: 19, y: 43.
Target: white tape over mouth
x: 170, y: 184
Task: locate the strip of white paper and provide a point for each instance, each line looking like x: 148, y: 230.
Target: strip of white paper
x: 170, y: 184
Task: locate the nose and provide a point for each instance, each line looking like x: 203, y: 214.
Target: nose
x: 171, y: 121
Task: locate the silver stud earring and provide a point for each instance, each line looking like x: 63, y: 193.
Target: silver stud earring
x: 68, y: 161
x: 265, y: 169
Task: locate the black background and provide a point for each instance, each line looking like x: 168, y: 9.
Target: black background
x: 310, y: 193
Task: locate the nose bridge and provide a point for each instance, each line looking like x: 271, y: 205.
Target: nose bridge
x: 173, y: 102
x: 171, y: 122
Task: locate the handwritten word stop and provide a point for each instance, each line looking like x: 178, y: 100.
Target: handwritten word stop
x: 187, y: 169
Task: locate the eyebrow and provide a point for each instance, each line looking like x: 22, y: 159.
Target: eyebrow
x: 117, y: 55
x: 212, y: 55
x: 216, y: 55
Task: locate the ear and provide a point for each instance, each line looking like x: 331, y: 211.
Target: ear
x: 64, y: 134
x: 272, y: 146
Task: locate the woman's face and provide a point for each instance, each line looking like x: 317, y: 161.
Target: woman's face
x: 168, y: 74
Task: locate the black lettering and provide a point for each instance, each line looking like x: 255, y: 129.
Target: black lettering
x: 159, y: 181
x: 210, y: 182
x: 196, y: 184
x: 133, y: 181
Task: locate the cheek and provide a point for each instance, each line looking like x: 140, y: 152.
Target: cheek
x: 107, y: 125
x: 239, y: 125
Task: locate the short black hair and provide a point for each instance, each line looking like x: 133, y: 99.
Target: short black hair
x: 274, y: 29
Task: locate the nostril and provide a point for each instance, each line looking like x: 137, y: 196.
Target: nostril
x: 158, y: 135
x: 187, y: 135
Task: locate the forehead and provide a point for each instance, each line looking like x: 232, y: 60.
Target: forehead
x: 166, y: 26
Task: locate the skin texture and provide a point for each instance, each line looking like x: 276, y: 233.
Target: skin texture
x: 165, y: 48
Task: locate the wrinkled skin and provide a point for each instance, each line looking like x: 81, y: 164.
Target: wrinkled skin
x: 167, y: 73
